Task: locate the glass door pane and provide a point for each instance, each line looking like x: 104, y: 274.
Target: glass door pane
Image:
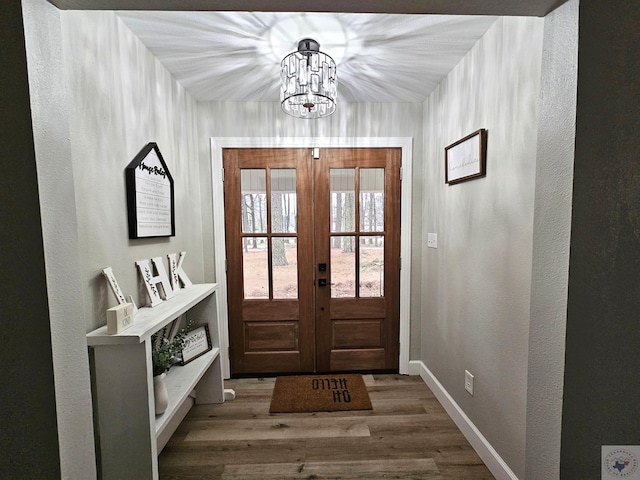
x: 372, y: 199
x: 283, y: 201
x: 284, y: 261
x: 343, y: 199
x: 343, y: 266
x: 253, y: 184
x: 371, y: 266
x: 255, y: 268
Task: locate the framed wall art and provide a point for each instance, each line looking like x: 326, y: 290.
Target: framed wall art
x: 467, y: 158
x: 150, y: 199
x: 197, y: 342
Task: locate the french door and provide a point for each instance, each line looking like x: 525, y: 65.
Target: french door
x: 313, y: 250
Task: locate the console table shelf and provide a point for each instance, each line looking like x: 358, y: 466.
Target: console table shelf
x: 130, y: 435
x: 180, y: 382
x: 149, y: 320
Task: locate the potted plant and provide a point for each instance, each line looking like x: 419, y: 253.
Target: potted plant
x: 164, y: 354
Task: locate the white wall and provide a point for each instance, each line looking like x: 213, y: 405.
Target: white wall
x: 120, y: 98
x: 49, y: 104
x: 551, y: 240
x: 227, y: 119
x: 476, y: 285
x: 123, y: 98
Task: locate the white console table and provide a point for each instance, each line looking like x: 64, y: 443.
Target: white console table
x: 129, y: 434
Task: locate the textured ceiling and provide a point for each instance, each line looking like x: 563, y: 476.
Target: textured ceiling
x: 235, y: 56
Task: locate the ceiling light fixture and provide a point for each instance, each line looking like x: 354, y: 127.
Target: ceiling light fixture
x: 308, y: 82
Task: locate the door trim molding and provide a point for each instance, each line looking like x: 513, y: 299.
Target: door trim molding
x: 218, y: 143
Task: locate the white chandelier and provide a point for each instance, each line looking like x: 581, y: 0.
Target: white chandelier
x: 308, y: 82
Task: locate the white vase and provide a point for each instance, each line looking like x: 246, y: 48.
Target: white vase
x: 160, y: 393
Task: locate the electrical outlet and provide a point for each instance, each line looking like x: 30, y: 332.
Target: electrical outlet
x: 432, y: 240
x: 468, y: 382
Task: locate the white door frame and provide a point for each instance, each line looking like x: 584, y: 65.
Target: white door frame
x: 217, y: 174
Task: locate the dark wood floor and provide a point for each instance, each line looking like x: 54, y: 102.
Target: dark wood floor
x: 407, y: 435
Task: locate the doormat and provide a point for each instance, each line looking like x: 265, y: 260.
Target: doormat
x: 319, y: 393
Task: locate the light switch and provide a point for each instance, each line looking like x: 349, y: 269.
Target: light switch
x: 432, y: 240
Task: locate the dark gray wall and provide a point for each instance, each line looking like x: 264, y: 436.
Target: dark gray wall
x: 602, y: 388
x: 28, y: 430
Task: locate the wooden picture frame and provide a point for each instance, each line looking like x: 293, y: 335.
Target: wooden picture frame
x: 197, y: 342
x: 467, y: 158
x: 150, y: 196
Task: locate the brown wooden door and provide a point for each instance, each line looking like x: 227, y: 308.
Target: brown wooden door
x: 269, y: 262
x: 357, y: 221
x: 294, y: 227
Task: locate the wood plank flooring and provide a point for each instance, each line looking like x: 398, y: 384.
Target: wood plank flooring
x: 407, y: 435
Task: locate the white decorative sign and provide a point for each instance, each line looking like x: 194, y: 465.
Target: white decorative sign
x: 158, y: 285
x: 119, y: 318
x: 113, y: 283
x: 196, y: 343
x: 179, y: 278
x: 150, y: 195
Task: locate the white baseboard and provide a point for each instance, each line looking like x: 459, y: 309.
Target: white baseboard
x: 496, y: 465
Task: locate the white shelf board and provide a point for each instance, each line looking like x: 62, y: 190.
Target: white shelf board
x: 149, y: 320
x: 180, y: 382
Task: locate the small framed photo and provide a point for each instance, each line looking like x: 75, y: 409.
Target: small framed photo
x: 197, y: 342
x: 467, y: 158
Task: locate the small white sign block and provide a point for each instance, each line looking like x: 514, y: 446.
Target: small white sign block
x: 620, y: 461
x: 119, y: 318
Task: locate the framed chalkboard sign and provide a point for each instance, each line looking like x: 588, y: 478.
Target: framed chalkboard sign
x: 150, y: 200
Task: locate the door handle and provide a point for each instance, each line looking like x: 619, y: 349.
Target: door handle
x: 322, y: 282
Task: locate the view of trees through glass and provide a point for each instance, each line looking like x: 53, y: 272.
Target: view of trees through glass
x: 255, y: 221
x: 277, y: 218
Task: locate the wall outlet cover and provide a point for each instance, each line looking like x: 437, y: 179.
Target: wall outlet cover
x: 468, y: 382
x: 432, y: 240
